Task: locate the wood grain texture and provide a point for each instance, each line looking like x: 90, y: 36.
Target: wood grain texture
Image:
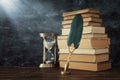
x: 34, y: 73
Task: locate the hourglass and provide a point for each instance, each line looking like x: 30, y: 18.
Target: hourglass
x: 49, y: 50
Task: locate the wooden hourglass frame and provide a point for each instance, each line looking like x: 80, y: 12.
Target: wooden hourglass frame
x: 44, y: 64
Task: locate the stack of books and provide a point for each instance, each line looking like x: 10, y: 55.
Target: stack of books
x: 93, y: 51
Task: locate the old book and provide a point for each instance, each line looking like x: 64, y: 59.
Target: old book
x: 85, y: 36
x: 83, y: 15
x: 85, y: 24
x: 86, y: 30
x: 87, y: 43
x: 85, y: 57
x: 87, y: 66
x: 86, y: 51
x: 84, y: 20
x: 89, y: 10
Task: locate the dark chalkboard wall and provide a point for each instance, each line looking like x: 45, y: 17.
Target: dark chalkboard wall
x: 22, y: 21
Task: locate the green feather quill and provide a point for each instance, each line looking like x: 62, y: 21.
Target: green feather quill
x: 75, y: 33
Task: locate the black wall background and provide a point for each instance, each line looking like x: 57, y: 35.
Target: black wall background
x: 20, y: 44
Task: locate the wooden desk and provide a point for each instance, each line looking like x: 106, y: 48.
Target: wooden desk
x: 35, y: 73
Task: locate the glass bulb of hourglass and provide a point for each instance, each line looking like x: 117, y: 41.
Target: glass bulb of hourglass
x: 49, y: 43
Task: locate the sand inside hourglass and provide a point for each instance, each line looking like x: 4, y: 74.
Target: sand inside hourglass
x: 49, y: 43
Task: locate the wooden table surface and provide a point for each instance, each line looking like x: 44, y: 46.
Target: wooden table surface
x: 35, y: 73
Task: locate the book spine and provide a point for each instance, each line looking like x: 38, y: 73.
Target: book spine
x: 87, y: 66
